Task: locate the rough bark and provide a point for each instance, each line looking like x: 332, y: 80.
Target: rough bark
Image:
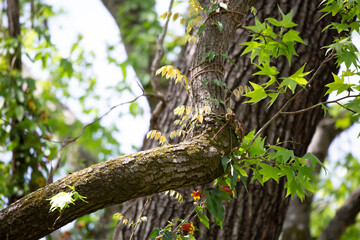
x: 260, y: 213
x: 116, y: 181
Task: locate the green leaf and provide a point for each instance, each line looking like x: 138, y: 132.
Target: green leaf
x: 228, y: 58
x: 241, y: 170
x: 167, y: 235
x: 292, y: 36
x: 266, y: 70
x: 214, y: 205
x: 219, y: 26
x: 155, y: 233
x: 273, y: 97
x: 206, y: 82
x: 233, y: 177
x: 259, y: 27
x: 213, y: 7
x: 257, y: 148
x: 257, y: 176
x: 202, y: 217
x: 338, y: 85
x: 243, y: 180
x: 211, y: 56
x: 286, y: 20
x: 295, y: 79
x: 19, y: 112
x: 274, y: 22
x: 135, y: 109
x: 257, y: 94
x: 201, y: 29
x: 220, y: 83
x: 225, y: 160
x: 314, y: 160
x: 269, y: 172
x: 281, y: 155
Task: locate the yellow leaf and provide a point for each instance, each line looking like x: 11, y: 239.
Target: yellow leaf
x: 169, y: 15
x: 171, y: 72
x: 182, y: 110
x: 236, y: 93
x: 178, y: 79
x: 164, y: 71
x: 172, y: 192
x: 188, y: 110
x: 153, y: 134
x: 166, y: 192
x: 207, y: 109
x: 188, y: 28
x: 200, y: 118
x: 148, y: 134
x: 231, y: 103
x: 198, y: 19
x: 163, y: 16
x: 182, y: 21
x: 175, y: 16
x: 163, y: 139
x: 157, y: 136
x: 241, y: 90
x: 229, y: 111
x: 159, y: 71
x: 176, y: 110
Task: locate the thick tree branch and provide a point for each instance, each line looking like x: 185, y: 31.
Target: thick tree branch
x: 118, y: 180
x: 345, y: 216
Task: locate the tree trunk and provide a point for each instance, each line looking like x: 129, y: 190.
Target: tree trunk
x: 258, y: 214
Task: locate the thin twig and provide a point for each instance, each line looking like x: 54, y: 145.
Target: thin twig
x: 323, y: 103
x: 263, y: 35
x: 159, y: 55
x: 184, y: 220
x: 155, y: 79
x: 291, y: 99
x: 142, y: 212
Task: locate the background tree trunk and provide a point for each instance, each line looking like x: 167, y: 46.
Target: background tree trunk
x: 260, y: 213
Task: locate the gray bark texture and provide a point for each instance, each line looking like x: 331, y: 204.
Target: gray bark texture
x: 260, y: 213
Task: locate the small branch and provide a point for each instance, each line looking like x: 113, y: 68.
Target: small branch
x: 345, y: 216
x: 322, y: 103
x: 292, y: 98
x: 56, y: 220
x: 142, y: 212
x: 263, y: 35
x: 184, y: 220
x: 160, y: 107
x: 205, y: 71
x: 159, y: 55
